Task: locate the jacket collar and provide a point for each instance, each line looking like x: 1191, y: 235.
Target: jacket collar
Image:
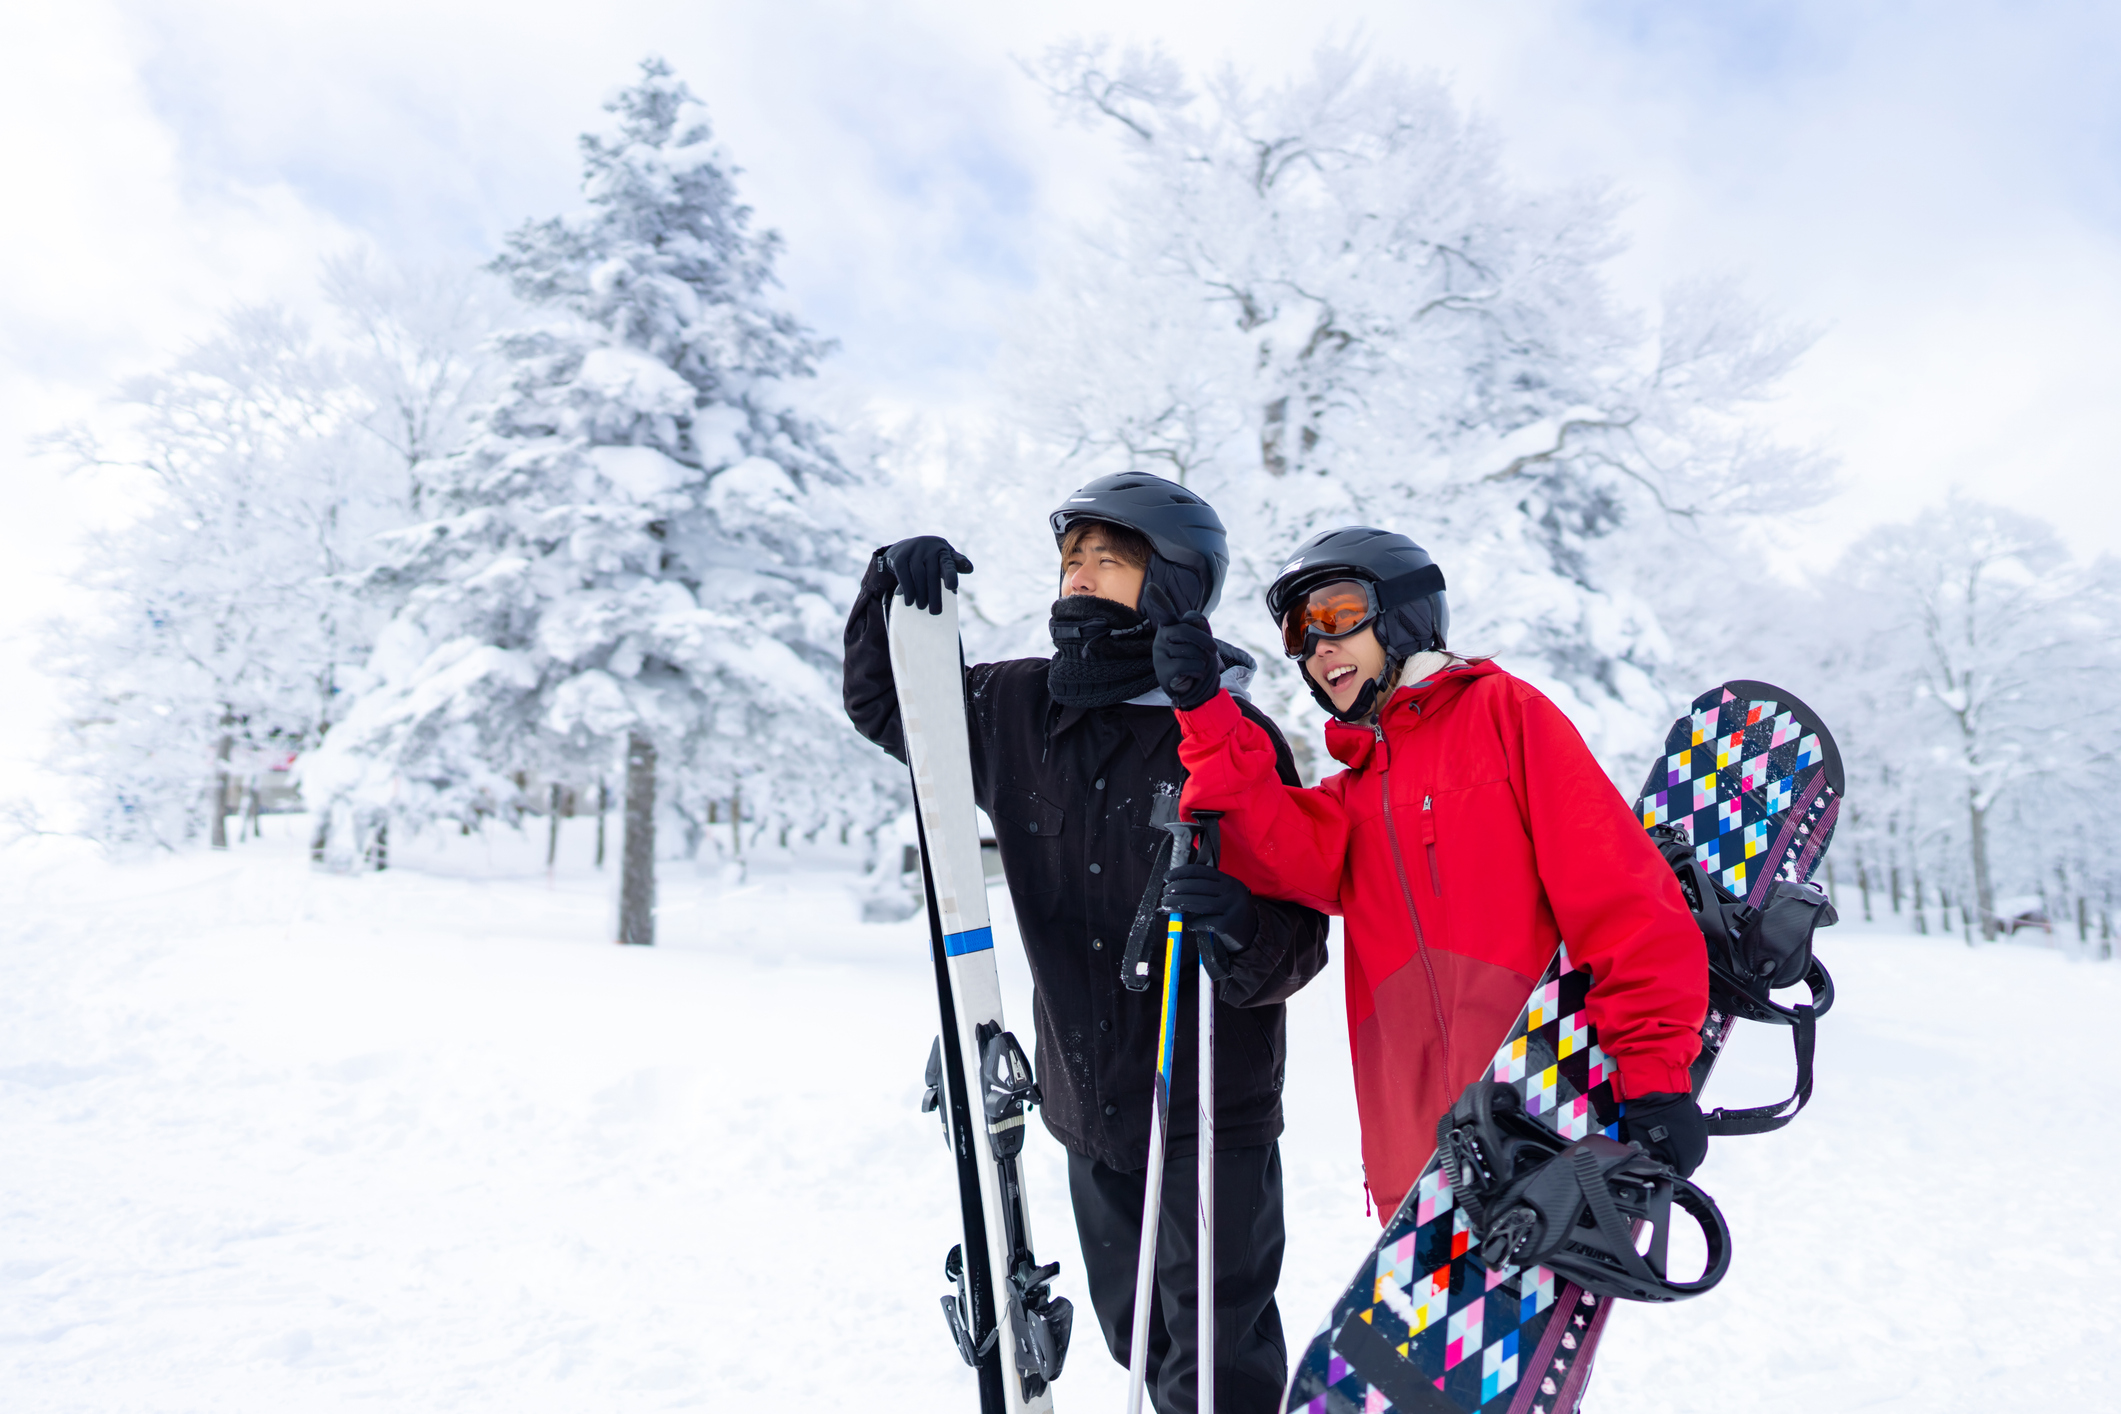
x: 1353, y: 743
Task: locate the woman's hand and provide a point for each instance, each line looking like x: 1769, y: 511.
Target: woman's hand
x: 1188, y: 668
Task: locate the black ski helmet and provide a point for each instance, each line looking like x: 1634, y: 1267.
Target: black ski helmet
x: 1192, y: 557
x: 1413, y: 617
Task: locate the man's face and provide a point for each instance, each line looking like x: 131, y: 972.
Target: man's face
x: 1093, y: 567
x: 1342, y: 665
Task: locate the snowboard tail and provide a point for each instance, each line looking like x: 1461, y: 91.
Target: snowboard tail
x: 1430, y: 1313
x: 1426, y: 1327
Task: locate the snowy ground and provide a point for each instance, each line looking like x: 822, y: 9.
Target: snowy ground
x: 274, y: 1140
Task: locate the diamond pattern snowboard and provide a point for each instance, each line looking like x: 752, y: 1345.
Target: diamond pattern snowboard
x: 1425, y: 1327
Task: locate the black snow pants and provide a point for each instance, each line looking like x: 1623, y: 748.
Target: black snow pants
x: 1251, y: 1358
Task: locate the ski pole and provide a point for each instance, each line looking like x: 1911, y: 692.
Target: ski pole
x: 1207, y: 849
x: 1153, y: 1185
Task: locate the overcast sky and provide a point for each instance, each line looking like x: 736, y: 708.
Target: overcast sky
x: 1936, y: 186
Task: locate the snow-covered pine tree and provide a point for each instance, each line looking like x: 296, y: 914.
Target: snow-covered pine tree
x: 1321, y: 302
x: 646, y: 550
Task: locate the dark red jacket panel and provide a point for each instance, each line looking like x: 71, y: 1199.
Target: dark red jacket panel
x: 1471, y: 833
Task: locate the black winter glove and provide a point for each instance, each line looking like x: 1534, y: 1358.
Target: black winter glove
x: 1212, y: 900
x: 923, y: 568
x: 1668, y: 1127
x: 1188, y: 668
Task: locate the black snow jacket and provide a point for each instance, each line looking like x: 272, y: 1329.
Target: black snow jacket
x: 1069, y: 790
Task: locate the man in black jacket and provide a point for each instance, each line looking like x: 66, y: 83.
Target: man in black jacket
x: 1069, y: 757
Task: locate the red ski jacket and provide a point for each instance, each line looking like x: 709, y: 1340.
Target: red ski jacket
x: 1470, y: 834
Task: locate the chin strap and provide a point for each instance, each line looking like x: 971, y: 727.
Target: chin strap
x: 1365, y: 701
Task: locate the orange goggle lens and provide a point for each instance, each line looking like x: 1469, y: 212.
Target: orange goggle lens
x: 1329, y: 611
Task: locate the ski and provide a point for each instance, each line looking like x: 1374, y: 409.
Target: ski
x: 1750, y: 780
x: 1002, y: 1315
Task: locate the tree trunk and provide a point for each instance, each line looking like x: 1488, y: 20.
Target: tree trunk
x: 695, y: 830
x: 736, y: 821
x: 1922, y: 918
x: 637, y: 861
x: 552, y: 828
x: 603, y: 804
x: 1977, y: 846
x: 222, y: 750
x: 320, y: 837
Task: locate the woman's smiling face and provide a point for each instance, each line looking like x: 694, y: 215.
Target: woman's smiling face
x: 1342, y: 665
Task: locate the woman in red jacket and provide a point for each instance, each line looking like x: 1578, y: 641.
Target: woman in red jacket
x: 1470, y: 833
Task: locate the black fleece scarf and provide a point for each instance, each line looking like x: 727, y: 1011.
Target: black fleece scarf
x: 1101, y: 652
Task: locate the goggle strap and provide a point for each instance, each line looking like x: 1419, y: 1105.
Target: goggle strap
x: 1411, y: 585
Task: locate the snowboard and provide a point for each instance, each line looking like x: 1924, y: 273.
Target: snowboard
x: 1002, y: 1307
x: 1753, y: 777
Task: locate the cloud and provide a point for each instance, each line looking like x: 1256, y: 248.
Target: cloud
x: 1934, y: 184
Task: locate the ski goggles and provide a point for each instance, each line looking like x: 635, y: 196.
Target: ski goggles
x: 1334, y: 609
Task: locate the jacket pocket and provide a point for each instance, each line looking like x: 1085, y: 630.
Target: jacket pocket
x: 1029, y: 813
x: 1248, y: 1068
x: 1148, y: 840
x: 1428, y: 842
x: 1028, y: 828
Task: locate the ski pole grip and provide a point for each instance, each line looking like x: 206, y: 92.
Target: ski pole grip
x: 1185, y: 838
x: 1208, y: 839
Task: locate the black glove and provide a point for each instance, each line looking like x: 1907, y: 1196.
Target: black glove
x: 1668, y: 1127
x: 1188, y: 668
x: 923, y: 568
x: 1211, y: 899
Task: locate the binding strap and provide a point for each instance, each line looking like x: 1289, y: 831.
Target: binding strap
x: 1535, y: 1200
x: 1765, y: 1119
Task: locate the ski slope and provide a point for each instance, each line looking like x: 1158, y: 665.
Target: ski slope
x: 273, y: 1139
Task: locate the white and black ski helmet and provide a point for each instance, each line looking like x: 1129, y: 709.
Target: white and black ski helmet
x: 1192, y: 551
x: 1413, y: 615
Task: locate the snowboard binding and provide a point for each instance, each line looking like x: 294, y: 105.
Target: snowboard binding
x: 1574, y: 1208
x: 1752, y: 952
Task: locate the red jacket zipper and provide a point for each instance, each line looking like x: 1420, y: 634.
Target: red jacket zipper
x: 1406, y: 892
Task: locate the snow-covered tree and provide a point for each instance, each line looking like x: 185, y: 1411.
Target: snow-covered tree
x: 414, y: 353
x: 263, y: 462
x: 219, y: 633
x: 1972, y: 661
x: 647, y: 547
x: 1321, y: 302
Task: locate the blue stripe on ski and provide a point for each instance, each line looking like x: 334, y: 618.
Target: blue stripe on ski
x: 971, y: 940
